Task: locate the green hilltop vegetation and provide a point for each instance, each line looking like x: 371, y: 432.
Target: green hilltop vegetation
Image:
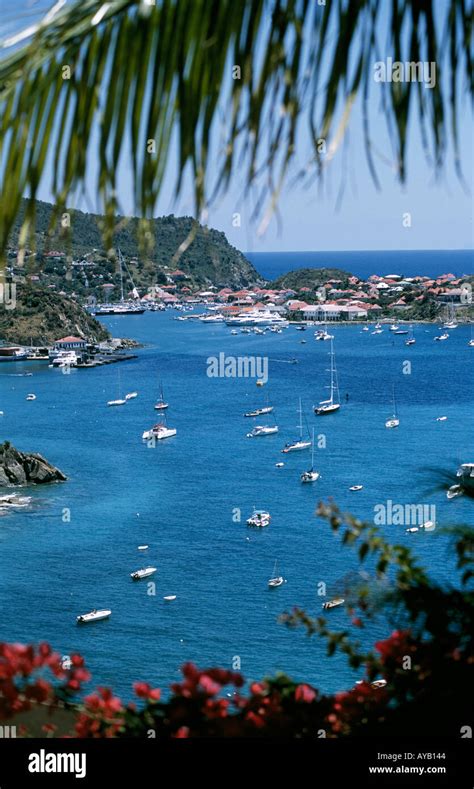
x: 41, y: 316
x: 208, y: 260
x: 310, y: 278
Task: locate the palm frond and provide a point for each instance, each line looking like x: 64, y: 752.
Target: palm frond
x: 114, y: 82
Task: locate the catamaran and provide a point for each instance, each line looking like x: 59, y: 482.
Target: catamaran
x: 311, y: 475
x: 333, y: 404
x: 275, y: 580
x: 394, y: 420
x: 300, y: 443
x: 159, y: 432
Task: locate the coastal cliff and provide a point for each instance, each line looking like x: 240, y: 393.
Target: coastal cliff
x: 41, y: 316
x: 26, y: 468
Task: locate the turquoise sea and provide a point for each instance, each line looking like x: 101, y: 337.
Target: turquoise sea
x: 182, y: 498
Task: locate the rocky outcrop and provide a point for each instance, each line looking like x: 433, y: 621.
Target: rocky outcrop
x: 25, y: 468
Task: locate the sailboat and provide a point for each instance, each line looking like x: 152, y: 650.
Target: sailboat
x: 161, y: 404
x: 299, y: 443
x: 267, y: 409
x: 471, y: 341
x: 120, y: 400
x: 411, y: 340
x: 311, y: 475
x: 450, y: 321
x: 333, y: 404
x: 394, y: 420
x: 275, y: 580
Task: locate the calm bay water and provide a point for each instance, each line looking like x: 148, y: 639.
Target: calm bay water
x: 180, y: 497
x: 409, y: 263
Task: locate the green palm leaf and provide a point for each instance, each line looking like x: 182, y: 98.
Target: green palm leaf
x: 141, y: 72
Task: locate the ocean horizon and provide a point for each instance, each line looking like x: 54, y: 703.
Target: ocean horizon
x: 408, y: 263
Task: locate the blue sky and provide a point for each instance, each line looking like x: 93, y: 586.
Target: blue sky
x: 441, y: 211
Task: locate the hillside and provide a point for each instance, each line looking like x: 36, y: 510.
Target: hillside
x: 309, y: 278
x: 40, y: 317
x: 208, y: 260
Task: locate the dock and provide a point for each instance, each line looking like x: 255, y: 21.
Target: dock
x: 100, y: 361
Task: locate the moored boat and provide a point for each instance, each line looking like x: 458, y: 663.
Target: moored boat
x: 93, y: 616
x: 333, y: 603
x: 145, y: 572
x: 259, y: 518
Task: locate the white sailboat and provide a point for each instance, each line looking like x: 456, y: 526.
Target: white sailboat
x: 411, y: 340
x: 471, y: 341
x: 333, y: 404
x: 131, y: 396
x: 262, y: 430
x: 161, y: 405
x: 120, y: 400
x: 311, y: 475
x: 275, y: 580
x: 300, y: 443
x: 450, y: 319
x: 394, y: 420
x: 441, y: 337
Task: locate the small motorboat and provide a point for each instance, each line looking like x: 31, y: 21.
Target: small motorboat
x: 333, y: 603
x: 142, y: 547
x: 442, y: 337
x: 116, y: 402
x: 412, y: 529
x: 93, y: 616
x: 428, y: 526
x: 259, y: 519
x: 31, y: 397
x: 378, y: 683
x: 279, y: 465
x: 356, y: 487
x: 441, y: 418
x: 234, y: 331
x: 453, y: 491
x: 144, y: 573
x: 169, y: 597
x: 260, y: 383
x: 14, y: 500
x: 131, y: 396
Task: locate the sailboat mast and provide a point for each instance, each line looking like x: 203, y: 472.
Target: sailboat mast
x: 301, y: 420
x: 121, y: 275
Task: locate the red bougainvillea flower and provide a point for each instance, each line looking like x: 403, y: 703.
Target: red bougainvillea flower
x: 144, y: 691
x: 305, y: 693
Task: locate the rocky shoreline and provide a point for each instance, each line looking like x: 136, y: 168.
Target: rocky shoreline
x: 26, y: 468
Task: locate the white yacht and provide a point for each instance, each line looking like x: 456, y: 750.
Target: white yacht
x: 311, y: 475
x: 259, y: 518
x: 93, y: 616
x: 333, y: 404
x: 159, y: 432
x: 394, y: 420
x: 257, y: 318
x: 217, y: 318
x: 300, y: 443
x: 144, y: 573
x: 131, y: 396
x: 65, y: 359
x: 262, y: 430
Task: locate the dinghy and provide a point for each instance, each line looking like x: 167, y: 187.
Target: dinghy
x: 144, y: 573
x: 93, y: 616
